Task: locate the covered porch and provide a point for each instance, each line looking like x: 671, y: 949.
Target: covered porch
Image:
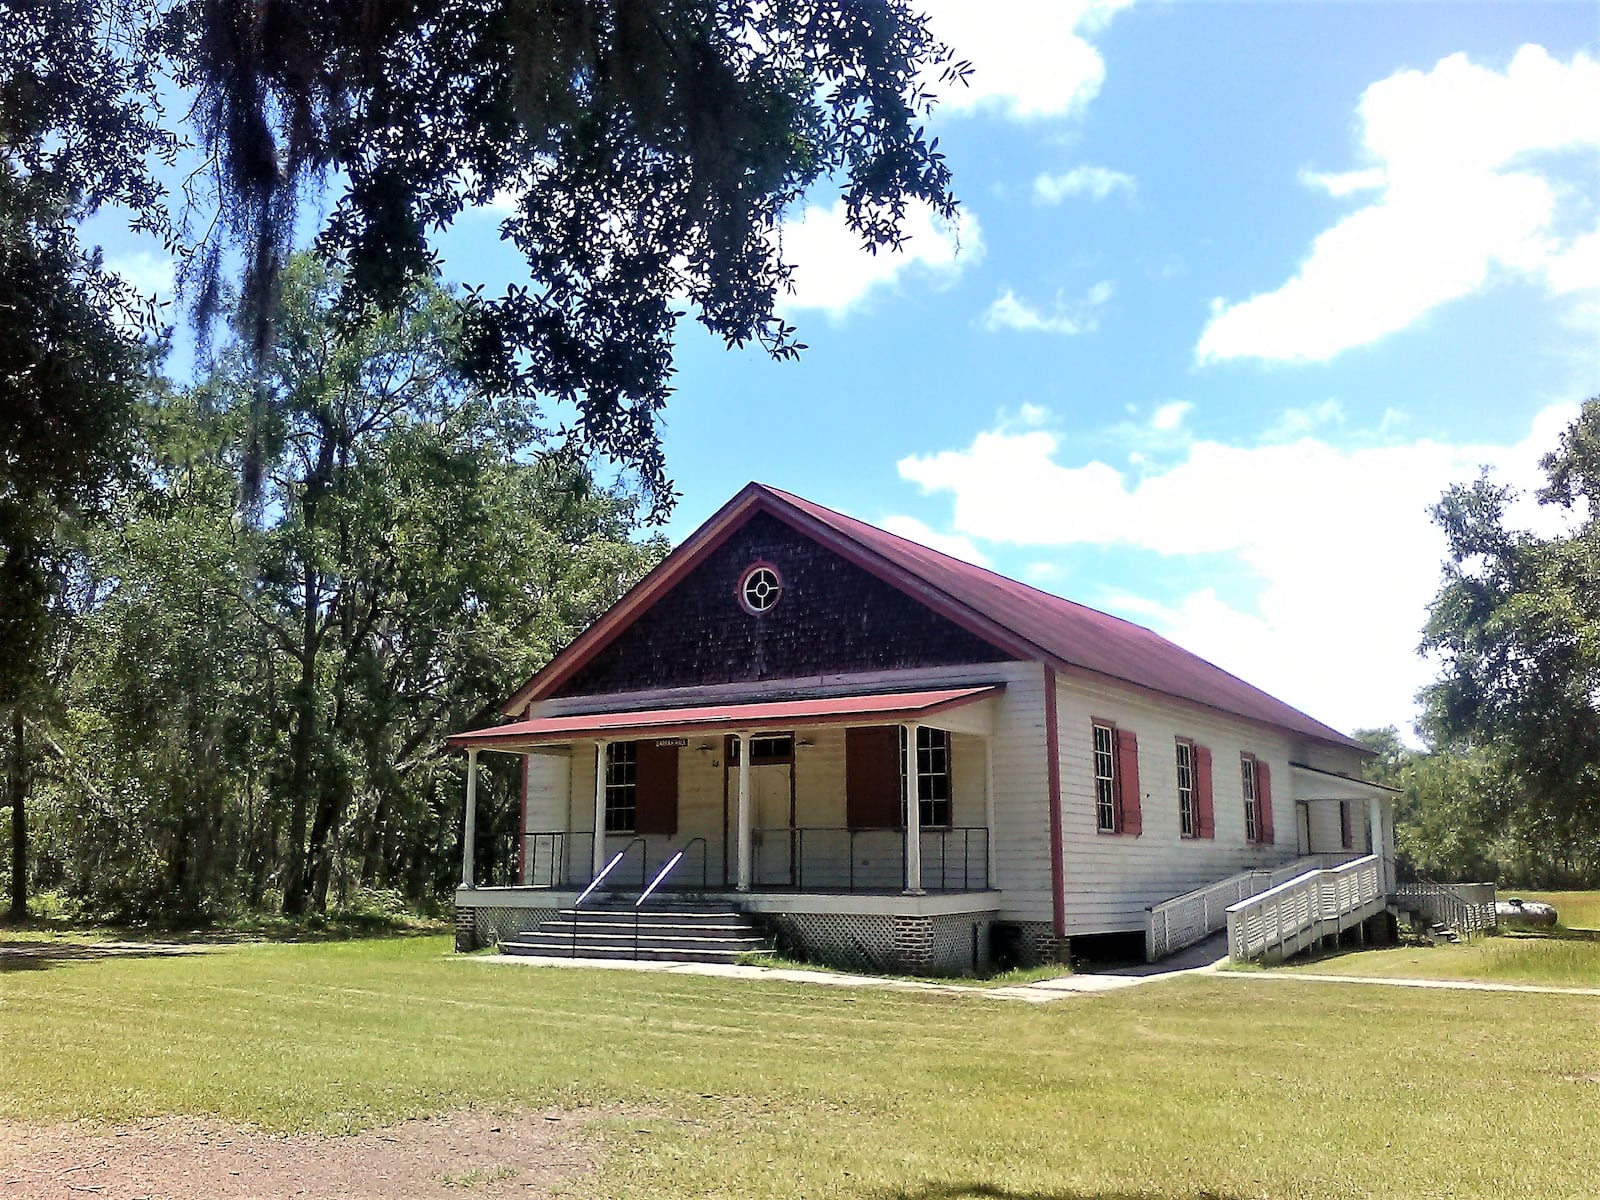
x: 886, y: 795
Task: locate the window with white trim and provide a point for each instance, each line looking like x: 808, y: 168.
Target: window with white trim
x: 1105, y: 778
x: 1188, y: 822
x: 1252, y: 797
x: 622, y: 786
x: 760, y: 588
x: 933, y: 776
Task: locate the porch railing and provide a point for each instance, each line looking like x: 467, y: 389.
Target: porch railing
x: 1194, y: 916
x: 838, y: 859
x: 1467, y: 908
x: 1286, y: 919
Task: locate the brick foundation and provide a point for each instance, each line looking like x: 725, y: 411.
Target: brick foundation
x: 466, y: 929
x: 913, y: 944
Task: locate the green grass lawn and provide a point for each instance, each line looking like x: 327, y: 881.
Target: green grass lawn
x: 1553, y: 959
x: 1567, y: 956
x: 1189, y: 1088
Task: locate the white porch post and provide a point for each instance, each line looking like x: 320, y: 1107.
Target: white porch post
x: 599, y: 855
x: 469, y: 838
x: 913, y: 815
x: 742, y: 844
x: 988, y: 812
x: 1375, y: 825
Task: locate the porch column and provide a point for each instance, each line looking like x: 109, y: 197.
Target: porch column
x: 1375, y: 825
x: 599, y: 855
x: 469, y: 838
x: 742, y: 832
x: 913, y: 814
x: 988, y: 812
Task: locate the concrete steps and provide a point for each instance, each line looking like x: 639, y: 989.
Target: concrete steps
x: 678, y: 932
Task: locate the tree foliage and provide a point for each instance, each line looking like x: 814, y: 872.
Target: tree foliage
x: 257, y: 708
x: 648, y: 149
x: 1516, y: 626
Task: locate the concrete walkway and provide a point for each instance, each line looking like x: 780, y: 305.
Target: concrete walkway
x: 1200, y: 959
x: 1043, y: 991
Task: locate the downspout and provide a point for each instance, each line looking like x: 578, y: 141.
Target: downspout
x: 1052, y: 741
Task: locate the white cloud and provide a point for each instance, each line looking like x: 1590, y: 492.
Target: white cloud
x: 1169, y: 416
x: 834, y: 272
x: 1337, y: 541
x: 952, y: 544
x: 1095, y: 182
x: 1031, y: 58
x: 1009, y: 311
x: 1477, y: 174
x: 146, y: 272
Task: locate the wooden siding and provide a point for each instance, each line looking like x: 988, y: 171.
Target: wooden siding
x: 1111, y: 878
x: 833, y: 617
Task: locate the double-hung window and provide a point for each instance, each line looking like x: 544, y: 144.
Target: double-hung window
x: 933, y: 775
x: 1250, y: 781
x: 1188, y: 816
x: 622, y: 786
x: 1105, y: 778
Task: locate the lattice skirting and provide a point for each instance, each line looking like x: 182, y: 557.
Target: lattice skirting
x: 479, y: 927
x: 956, y: 944
x: 849, y: 942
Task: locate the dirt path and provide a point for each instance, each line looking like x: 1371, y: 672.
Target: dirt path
x: 459, y: 1155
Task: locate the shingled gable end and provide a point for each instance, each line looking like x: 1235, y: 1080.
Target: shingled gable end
x: 1071, y: 769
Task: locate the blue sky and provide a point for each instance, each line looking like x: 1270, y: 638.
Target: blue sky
x: 1237, y: 291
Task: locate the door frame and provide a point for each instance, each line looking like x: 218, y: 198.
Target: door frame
x: 767, y: 759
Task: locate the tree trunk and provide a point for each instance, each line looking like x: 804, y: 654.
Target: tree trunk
x: 305, y: 702
x: 17, y: 791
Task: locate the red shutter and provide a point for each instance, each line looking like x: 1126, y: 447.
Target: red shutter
x: 1264, y: 800
x: 1205, y: 817
x: 872, y: 777
x: 1130, y: 820
x: 655, y: 793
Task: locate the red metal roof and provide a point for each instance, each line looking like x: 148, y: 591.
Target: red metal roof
x: 1073, y: 634
x: 879, y: 709
x: 1019, y: 619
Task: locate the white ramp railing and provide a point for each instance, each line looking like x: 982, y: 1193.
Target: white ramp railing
x: 1194, y: 916
x: 1286, y: 919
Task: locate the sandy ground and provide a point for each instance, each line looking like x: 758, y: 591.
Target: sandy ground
x: 459, y: 1155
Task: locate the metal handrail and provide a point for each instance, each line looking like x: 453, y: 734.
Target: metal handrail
x: 555, y: 862
x: 661, y: 875
x: 948, y: 873
x: 601, y: 878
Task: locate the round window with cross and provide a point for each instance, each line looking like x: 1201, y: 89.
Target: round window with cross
x: 759, y: 588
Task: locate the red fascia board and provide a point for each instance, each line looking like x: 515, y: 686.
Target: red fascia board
x: 716, y: 530
x: 879, y: 709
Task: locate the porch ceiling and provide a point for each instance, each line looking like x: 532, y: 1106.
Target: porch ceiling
x: 881, y: 709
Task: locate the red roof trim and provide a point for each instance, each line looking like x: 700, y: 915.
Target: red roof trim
x: 1022, y: 621
x: 718, y: 529
x: 880, y: 709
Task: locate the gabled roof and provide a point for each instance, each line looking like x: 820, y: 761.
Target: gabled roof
x: 1019, y: 619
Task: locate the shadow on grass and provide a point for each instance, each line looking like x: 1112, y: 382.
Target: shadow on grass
x: 1550, y: 933
x: 64, y: 943
x: 40, y: 956
x: 988, y: 1191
